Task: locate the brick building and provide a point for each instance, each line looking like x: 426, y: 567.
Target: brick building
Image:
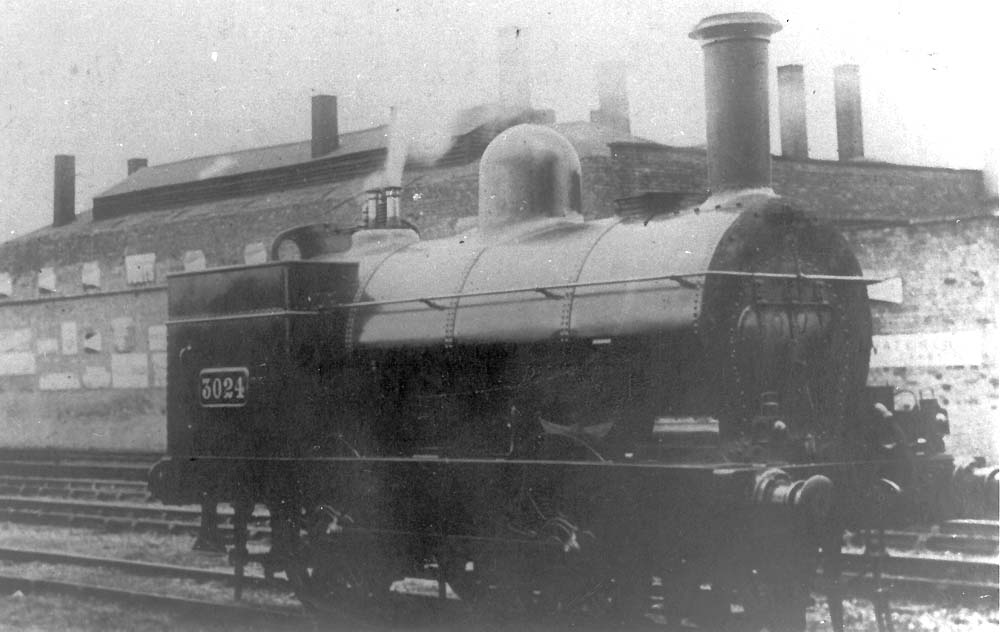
x: 83, y: 302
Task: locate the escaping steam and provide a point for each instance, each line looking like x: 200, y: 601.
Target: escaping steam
x: 419, y: 137
x: 411, y: 138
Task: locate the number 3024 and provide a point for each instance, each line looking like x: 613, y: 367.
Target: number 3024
x: 228, y: 387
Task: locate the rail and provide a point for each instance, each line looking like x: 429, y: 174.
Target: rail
x: 548, y: 290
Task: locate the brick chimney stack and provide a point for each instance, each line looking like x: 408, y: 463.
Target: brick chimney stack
x: 64, y: 191
x: 847, y: 94
x: 134, y: 164
x: 612, y: 97
x: 792, y: 110
x: 325, y: 134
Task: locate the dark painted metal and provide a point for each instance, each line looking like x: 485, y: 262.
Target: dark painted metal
x: 494, y: 399
x: 736, y: 99
x: 294, y: 286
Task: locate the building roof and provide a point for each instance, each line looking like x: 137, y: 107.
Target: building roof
x: 245, y: 161
x: 589, y: 139
x: 286, y: 176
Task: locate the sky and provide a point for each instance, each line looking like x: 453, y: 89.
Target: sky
x: 173, y: 79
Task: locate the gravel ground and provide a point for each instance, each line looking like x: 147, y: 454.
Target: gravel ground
x: 49, y: 613
x: 141, y: 547
x: 46, y: 612
x: 859, y: 616
x: 176, y: 587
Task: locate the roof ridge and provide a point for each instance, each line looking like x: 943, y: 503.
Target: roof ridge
x: 256, y: 149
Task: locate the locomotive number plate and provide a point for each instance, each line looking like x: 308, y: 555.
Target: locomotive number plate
x: 223, y: 387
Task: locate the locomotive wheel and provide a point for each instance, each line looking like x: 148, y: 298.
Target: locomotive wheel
x: 584, y: 591
x: 774, y: 605
x: 330, y: 575
x: 770, y: 608
x: 341, y: 583
x: 778, y: 607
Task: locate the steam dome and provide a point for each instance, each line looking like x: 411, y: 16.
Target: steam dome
x: 526, y: 172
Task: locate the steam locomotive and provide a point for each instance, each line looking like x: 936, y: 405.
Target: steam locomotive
x: 545, y: 413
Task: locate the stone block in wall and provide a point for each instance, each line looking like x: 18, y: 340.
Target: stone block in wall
x: 123, y: 332
x: 47, y: 280
x: 17, y: 363
x: 67, y: 337
x: 6, y: 285
x: 157, y: 338
x: 61, y: 381
x: 90, y: 275
x: 255, y: 252
x: 15, y: 340
x: 96, y: 377
x: 140, y: 268
x: 129, y: 370
x: 47, y: 346
x: 159, y: 362
x: 194, y: 260
x: 92, y: 342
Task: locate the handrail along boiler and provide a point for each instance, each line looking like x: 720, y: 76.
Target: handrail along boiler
x: 546, y: 411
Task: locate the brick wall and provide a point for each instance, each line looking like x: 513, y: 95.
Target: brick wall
x: 948, y: 268
x: 943, y: 335
x: 863, y: 190
x: 84, y: 365
x: 87, y: 372
x: 50, y: 395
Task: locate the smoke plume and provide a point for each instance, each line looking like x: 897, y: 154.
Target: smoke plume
x: 414, y: 136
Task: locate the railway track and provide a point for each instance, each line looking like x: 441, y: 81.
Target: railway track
x: 150, y: 569
x: 232, y: 612
x: 962, y: 579
x: 117, y: 516
x: 971, y: 537
x: 229, y: 611
x: 76, y: 464
x: 109, y: 490
x: 958, y: 558
x: 104, y: 491
x: 411, y: 592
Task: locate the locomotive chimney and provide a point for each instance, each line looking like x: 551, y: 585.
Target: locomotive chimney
x: 612, y: 97
x: 847, y: 96
x: 134, y: 164
x: 515, y: 78
x: 736, y: 99
x: 368, y: 207
x: 792, y: 109
x: 64, y: 191
x: 392, y: 209
x: 378, y: 219
x: 325, y: 135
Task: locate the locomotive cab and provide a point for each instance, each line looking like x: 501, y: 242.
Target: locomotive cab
x: 250, y: 359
